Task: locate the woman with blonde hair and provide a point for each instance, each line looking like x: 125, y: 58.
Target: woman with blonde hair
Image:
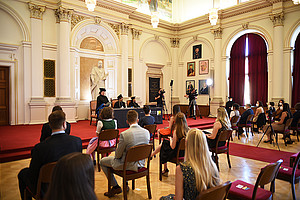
x: 198, y: 172
x: 222, y: 123
x: 168, y: 148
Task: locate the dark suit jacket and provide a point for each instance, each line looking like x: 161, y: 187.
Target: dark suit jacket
x: 245, y: 116
x: 120, y: 104
x: 296, y: 117
x: 46, y: 131
x: 51, y: 150
x: 204, y: 90
x: 133, y: 104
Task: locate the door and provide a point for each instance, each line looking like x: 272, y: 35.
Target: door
x: 4, y: 95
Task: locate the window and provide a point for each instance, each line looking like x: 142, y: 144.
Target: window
x: 49, y: 78
x: 129, y: 82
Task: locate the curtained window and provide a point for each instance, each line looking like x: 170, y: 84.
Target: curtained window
x: 296, y: 73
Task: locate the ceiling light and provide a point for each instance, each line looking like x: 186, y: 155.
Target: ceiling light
x: 213, y: 16
x: 154, y: 19
x: 90, y: 4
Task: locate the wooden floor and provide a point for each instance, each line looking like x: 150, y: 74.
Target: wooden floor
x: 244, y: 169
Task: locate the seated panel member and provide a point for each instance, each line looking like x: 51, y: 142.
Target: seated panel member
x: 120, y: 103
x: 47, y: 131
x: 50, y: 150
x: 147, y: 119
x: 133, y: 103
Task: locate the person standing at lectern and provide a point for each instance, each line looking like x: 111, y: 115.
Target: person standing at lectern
x: 159, y: 97
x: 97, y: 79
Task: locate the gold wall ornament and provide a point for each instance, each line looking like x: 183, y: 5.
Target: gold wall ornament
x: 63, y: 15
x: 217, y: 32
x: 245, y: 25
x: 97, y: 20
x: 277, y: 18
x: 75, y: 19
x: 174, y: 42
x: 136, y: 33
x: 116, y: 28
x: 36, y: 11
x: 124, y: 29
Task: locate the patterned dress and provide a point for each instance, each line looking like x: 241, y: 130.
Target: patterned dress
x: 189, y: 182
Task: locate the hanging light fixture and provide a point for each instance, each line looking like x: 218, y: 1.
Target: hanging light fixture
x: 296, y: 2
x: 213, y: 16
x: 90, y: 4
x: 154, y: 19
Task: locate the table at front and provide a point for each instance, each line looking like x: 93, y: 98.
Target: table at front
x: 120, y: 115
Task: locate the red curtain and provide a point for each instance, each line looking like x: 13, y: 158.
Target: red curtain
x: 237, y: 70
x: 296, y: 73
x: 258, y: 69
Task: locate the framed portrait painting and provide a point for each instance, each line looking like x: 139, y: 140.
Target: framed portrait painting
x: 203, y: 88
x: 203, y: 67
x: 197, y: 51
x: 191, y: 69
x: 190, y: 85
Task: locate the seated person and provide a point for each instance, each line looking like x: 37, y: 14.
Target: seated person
x: 244, y: 116
x: 46, y: 130
x: 50, y: 150
x: 228, y: 105
x: 296, y: 115
x: 147, y: 119
x: 73, y: 178
x: 120, y: 103
x: 105, y: 122
x: 189, y: 176
x: 222, y: 123
x: 259, y: 118
x: 169, y: 130
x: 279, y: 126
x: 279, y: 110
x: 234, y: 111
x: 133, y: 136
x: 133, y: 103
x: 168, y: 148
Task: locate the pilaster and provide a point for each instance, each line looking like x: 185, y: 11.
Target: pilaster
x: 124, y: 57
x: 175, y: 42
x: 137, y: 69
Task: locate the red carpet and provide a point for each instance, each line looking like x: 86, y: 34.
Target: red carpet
x: 17, y: 141
x: 258, y: 153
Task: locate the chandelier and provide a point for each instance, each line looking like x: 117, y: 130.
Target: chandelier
x: 296, y: 1
x: 154, y: 19
x: 90, y: 4
x: 213, y: 16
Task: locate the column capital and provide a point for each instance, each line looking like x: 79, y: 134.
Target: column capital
x: 36, y: 11
x: 277, y: 19
x: 217, y: 33
x: 116, y: 28
x: 136, y: 33
x: 174, y: 42
x: 124, y: 29
x: 75, y: 19
x: 63, y: 15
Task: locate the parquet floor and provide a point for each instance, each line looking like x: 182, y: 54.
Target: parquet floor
x: 244, y: 169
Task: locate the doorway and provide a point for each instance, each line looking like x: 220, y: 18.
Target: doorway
x: 4, y: 95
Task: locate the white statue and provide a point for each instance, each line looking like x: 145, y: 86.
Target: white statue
x: 97, y: 79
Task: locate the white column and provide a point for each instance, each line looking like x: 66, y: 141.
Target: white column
x: 38, y: 113
x: 278, y: 84
x: 124, y: 57
x: 137, y: 69
x: 217, y: 100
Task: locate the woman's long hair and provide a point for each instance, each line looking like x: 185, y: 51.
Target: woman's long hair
x: 223, y: 118
x: 181, y: 126
x: 198, y: 156
x: 73, y: 178
x: 286, y: 108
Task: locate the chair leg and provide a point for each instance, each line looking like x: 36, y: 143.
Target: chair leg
x: 98, y: 162
x: 109, y: 180
x: 160, y: 170
x: 228, y: 159
x: 246, y: 131
x: 293, y: 190
x: 133, y: 184
x: 148, y: 186
x: 217, y: 161
x: 124, y: 189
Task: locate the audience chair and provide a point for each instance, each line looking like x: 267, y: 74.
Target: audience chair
x: 248, y: 124
x: 234, y: 125
x: 290, y: 174
x: 134, y: 154
x: 152, y: 130
x: 292, y: 160
x: 93, y: 108
x: 285, y: 131
x: 222, y: 137
x: 175, y: 160
x: 296, y: 130
x: 161, y: 137
x: 106, y: 135
x: 45, y: 176
x: 219, y: 192
x: 243, y: 190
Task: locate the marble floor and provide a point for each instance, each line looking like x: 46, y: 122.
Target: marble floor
x: 244, y: 169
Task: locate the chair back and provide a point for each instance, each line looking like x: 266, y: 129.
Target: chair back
x: 113, y: 101
x: 108, y: 134
x: 93, y: 105
x: 234, y: 120
x: 249, y: 119
x: 288, y: 124
x: 151, y: 128
x: 224, y: 136
x: 181, y: 147
x: 45, y: 176
x: 296, y: 163
x: 219, y: 192
x: 267, y: 175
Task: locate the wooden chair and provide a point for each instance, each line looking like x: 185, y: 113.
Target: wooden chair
x: 296, y: 130
x: 223, y: 136
x: 113, y: 101
x: 134, y: 154
x: 219, y: 192
x: 243, y: 190
x: 290, y: 174
x: 234, y: 125
x: 106, y: 135
x: 293, y: 158
x: 45, y: 176
x: 152, y: 130
x: 175, y: 160
x: 285, y: 131
x: 248, y: 124
x: 93, y: 108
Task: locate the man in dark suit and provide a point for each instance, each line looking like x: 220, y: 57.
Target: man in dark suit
x: 50, y: 150
x: 120, y: 103
x: 133, y: 103
x: 228, y: 105
x: 47, y: 131
x: 243, y: 119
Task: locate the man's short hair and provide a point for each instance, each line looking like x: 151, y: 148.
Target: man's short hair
x: 146, y: 109
x: 132, y: 116
x: 55, y: 108
x: 272, y: 103
x: 57, y: 119
x: 248, y: 105
x: 297, y: 106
